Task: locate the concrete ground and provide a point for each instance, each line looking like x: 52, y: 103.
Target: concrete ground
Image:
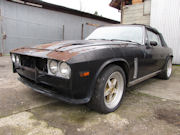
x: 150, y: 108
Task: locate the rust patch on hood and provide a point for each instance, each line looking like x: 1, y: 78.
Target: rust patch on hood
x: 38, y: 48
x: 20, y: 50
x: 23, y: 50
x: 62, y: 56
x: 61, y: 50
x: 53, y: 54
x: 44, y: 46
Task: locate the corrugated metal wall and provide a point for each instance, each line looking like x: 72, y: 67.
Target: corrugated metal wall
x: 26, y: 25
x: 165, y: 16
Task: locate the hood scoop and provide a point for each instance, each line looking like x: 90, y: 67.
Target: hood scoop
x: 80, y: 43
x: 72, y: 44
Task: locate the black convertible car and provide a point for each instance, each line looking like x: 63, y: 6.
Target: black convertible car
x: 96, y: 70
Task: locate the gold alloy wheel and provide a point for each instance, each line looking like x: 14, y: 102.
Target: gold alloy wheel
x: 113, y: 90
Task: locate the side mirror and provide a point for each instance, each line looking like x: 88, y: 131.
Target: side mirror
x: 153, y: 43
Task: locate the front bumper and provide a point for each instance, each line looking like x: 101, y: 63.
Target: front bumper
x: 51, y: 92
x: 33, y: 73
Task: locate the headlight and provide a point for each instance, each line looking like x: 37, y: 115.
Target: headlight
x: 17, y: 59
x: 59, y: 69
x: 64, y: 70
x: 53, y: 66
x: 13, y: 58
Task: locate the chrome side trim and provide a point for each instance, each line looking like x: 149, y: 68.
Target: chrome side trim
x: 143, y: 78
x: 135, y: 68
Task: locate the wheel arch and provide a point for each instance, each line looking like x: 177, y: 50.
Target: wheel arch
x: 120, y: 62
x: 171, y: 56
x: 166, y: 60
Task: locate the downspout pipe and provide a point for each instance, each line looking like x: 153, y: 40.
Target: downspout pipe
x: 121, y: 7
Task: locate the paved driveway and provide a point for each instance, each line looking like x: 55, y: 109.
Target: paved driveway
x: 151, y: 108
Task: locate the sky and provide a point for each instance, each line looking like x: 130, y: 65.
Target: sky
x: 90, y: 6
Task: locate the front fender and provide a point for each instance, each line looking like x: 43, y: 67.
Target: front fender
x: 105, y: 64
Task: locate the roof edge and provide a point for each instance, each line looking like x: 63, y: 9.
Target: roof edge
x: 116, y: 4
x: 58, y: 8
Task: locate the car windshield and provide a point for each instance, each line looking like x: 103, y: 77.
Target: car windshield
x: 115, y: 33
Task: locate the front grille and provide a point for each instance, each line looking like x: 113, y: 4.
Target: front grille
x: 41, y: 64
x: 32, y: 62
x: 28, y: 61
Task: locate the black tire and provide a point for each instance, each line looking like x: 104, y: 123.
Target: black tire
x: 97, y: 102
x: 164, y: 74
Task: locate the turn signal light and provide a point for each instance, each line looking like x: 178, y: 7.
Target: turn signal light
x: 84, y: 74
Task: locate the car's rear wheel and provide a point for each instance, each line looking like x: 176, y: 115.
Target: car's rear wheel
x: 166, y: 74
x: 109, y: 90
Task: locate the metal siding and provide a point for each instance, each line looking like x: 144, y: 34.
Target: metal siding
x: 26, y: 25
x: 165, y: 16
x: 87, y: 28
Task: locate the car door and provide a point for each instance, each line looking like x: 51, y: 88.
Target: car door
x: 154, y: 57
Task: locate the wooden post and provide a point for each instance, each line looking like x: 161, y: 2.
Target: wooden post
x: 122, y: 11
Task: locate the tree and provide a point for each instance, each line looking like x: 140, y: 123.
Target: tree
x: 95, y: 13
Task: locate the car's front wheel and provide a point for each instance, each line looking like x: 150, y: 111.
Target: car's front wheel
x: 109, y: 90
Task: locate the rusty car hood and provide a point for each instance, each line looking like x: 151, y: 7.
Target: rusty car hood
x: 64, y: 50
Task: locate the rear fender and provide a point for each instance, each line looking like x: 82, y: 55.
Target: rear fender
x: 167, y: 58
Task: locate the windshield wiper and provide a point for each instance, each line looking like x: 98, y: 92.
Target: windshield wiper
x: 125, y: 41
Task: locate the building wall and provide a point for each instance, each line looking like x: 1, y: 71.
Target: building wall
x: 138, y: 12
x: 165, y: 16
x: 26, y: 25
